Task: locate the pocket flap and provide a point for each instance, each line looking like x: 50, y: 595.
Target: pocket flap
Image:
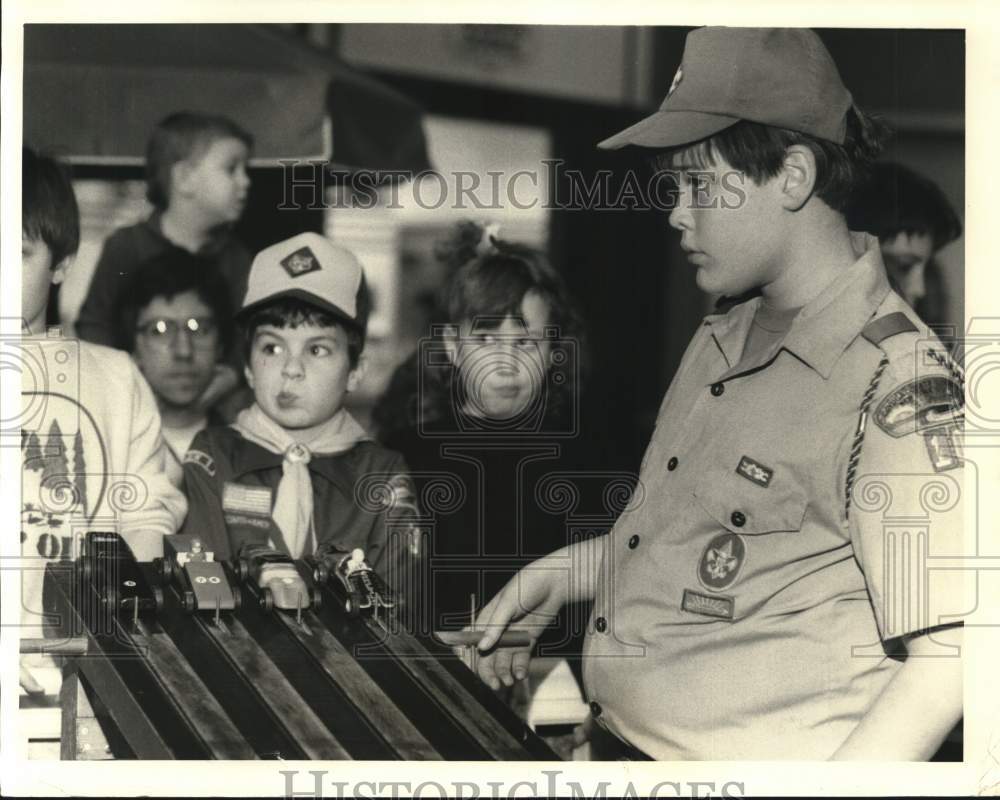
x: 741, y: 507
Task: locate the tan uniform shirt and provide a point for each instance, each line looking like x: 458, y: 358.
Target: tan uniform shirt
x: 742, y: 613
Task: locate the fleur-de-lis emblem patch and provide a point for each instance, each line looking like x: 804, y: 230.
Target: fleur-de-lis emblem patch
x: 721, y: 562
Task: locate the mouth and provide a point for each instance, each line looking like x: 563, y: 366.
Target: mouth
x: 286, y: 399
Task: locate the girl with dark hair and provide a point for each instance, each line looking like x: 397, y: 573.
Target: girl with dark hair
x: 485, y: 414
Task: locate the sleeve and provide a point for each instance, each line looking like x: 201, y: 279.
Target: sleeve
x: 401, y: 561
x: 203, y: 486
x: 905, y: 512
x: 148, y: 460
x: 93, y: 322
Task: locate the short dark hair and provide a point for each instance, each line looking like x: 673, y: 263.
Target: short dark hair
x: 895, y: 199
x: 290, y: 312
x: 173, y: 272
x: 180, y: 136
x: 48, y: 205
x: 758, y: 151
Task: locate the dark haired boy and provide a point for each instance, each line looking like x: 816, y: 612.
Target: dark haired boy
x: 197, y: 181
x: 754, y: 602
x: 174, y: 316
x: 296, y: 471
x: 913, y: 220
x: 91, y: 447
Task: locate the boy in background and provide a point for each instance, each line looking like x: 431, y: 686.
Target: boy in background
x: 93, y: 456
x: 197, y: 181
x: 295, y: 471
x: 913, y: 220
x: 175, y: 318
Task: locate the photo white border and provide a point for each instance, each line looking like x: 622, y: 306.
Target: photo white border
x: 978, y: 17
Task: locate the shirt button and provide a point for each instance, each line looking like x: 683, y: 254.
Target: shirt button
x: 633, y: 541
x: 717, y: 389
x: 672, y: 464
x: 601, y: 624
x: 595, y: 708
x: 738, y: 519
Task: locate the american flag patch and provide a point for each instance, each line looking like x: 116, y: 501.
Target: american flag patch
x: 246, y: 499
x: 754, y: 471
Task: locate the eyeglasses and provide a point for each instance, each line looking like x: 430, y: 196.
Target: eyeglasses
x: 163, y: 332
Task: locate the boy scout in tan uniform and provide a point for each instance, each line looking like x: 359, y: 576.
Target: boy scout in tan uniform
x: 765, y: 596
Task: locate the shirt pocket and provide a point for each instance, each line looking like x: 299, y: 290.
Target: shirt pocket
x: 742, y: 507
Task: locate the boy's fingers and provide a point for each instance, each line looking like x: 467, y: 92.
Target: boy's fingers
x: 487, y: 673
x: 501, y: 665
x: 520, y: 664
x: 493, y: 620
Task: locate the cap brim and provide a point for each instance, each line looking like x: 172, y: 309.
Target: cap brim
x: 305, y: 297
x: 669, y: 129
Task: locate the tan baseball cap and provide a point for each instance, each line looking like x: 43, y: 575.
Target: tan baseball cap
x: 311, y: 268
x: 783, y: 77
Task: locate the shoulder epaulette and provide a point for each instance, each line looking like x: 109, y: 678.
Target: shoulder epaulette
x: 878, y: 330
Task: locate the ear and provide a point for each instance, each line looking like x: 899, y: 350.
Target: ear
x: 180, y: 176
x: 449, y: 336
x: 356, y: 375
x: 248, y: 375
x: 59, y: 270
x: 798, y: 170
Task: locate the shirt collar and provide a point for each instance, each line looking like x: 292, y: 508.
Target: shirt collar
x: 828, y: 323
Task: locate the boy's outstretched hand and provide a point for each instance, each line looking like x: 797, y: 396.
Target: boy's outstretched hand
x: 529, y: 602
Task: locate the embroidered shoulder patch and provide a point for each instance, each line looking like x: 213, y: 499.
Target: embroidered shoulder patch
x: 202, y: 459
x: 920, y: 404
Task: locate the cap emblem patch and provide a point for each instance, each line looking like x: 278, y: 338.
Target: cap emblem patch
x: 300, y: 263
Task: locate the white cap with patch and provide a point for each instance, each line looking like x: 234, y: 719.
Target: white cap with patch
x: 311, y: 268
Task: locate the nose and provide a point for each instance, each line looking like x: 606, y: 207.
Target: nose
x: 916, y: 287
x: 293, y: 367
x: 680, y: 216
x: 242, y: 179
x: 183, y: 348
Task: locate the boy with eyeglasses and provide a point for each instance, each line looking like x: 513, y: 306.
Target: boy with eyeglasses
x: 174, y: 317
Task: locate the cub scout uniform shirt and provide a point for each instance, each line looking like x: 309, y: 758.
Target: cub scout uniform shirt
x: 742, y: 611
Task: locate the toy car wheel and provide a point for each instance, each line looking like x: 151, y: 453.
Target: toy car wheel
x: 190, y: 604
x: 352, y: 605
x: 316, y: 599
x: 267, y: 599
x: 237, y: 599
x: 158, y: 598
x: 243, y: 569
x: 86, y: 568
x: 320, y: 575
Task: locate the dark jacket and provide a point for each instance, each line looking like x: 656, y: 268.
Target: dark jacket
x: 361, y: 498
x: 127, y: 248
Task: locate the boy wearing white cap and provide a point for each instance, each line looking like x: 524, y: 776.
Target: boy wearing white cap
x: 766, y: 595
x: 287, y: 472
